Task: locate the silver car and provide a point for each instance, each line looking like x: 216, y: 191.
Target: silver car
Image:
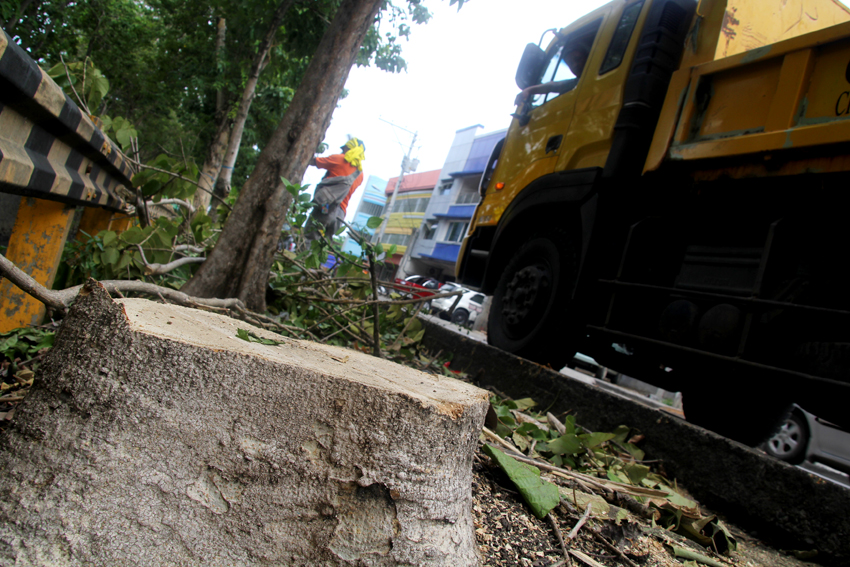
x: 805, y: 437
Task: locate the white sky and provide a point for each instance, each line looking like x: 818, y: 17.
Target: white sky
x: 460, y: 72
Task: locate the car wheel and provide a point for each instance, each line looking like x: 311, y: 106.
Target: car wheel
x: 529, y: 314
x: 790, y: 441
x: 460, y: 317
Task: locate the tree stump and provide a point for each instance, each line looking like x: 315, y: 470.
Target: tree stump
x: 155, y: 436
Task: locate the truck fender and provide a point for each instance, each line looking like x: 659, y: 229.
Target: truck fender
x: 560, y: 197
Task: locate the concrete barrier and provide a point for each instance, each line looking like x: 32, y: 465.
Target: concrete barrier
x: 785, y: 505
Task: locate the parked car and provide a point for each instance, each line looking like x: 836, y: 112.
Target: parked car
x: 467, y: 310
x: 805, y: 437
x: 443, y: 304
x: 416, y: 286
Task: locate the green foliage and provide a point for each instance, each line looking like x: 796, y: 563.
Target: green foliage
x: 83, y: 79
x: 253, y: 338
x: 540, y: 495
x: 612, y: 456
x: 163, y: 184
x: 24, y: 343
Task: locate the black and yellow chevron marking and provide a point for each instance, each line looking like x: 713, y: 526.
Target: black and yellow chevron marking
x: 48, y: 148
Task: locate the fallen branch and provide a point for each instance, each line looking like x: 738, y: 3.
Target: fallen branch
x: 560, y: 536
x: 574, y: 532
x: 61, y: 300
x: 611, y: 547
x: 584, y: 558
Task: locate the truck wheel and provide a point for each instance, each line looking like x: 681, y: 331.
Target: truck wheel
x: 528, y: 313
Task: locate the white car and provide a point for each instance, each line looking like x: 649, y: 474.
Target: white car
x: 467, y: 310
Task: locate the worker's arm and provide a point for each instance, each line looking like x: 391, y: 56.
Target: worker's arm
x: 559, y: 87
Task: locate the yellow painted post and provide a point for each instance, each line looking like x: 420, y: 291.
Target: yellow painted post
x: 94, y: 220
x: 121, y: 222
x: 38, y: 238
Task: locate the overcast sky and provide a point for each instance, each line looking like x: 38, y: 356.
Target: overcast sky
x: 461, y: 68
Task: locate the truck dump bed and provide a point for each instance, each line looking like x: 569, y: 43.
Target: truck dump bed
x: 772, y: 100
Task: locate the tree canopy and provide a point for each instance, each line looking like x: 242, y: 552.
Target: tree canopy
x: 165, y: 73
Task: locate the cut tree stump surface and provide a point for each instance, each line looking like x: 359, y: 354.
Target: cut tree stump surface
x: 155, y: 436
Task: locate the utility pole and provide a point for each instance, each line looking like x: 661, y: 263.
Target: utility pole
x: 407, y: 166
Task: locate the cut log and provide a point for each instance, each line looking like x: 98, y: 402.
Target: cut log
x: 155, y: 436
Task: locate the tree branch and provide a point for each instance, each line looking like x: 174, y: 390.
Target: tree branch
x: 61, y: 300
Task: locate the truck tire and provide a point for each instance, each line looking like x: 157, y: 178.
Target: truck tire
x: 528, y: 316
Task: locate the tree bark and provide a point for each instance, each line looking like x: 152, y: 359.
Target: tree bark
x: 212, y: 165
x: 155, y: 436
x: 261, y: 59
x: 239, y: 264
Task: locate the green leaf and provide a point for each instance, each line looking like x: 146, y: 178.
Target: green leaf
x: 527, y: 428
x: 151, y: 187
x: 374, y: 222
x: 591, y: 440
x: 243, y: 334
x: 688, y: 554
x: 108, y: 237
x: 525, y: 403
x: 110, y: 256
x: 343, y: 270
x: 636, y: 472
x: 567, y: 444
x: 504, y: 414
x: 540, y: 495
x: 133, y: 235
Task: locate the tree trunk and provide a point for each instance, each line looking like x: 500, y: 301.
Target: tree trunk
x: 220, y: 35
x: 239, y: 264
x: 261, y: 59
x: 154, y: 436
x: 212, y: 165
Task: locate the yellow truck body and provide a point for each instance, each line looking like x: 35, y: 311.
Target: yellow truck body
x: 669, y: 200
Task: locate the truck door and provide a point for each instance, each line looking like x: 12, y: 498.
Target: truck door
x: 543, y: 120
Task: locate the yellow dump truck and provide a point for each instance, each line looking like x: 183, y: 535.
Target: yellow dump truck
x: 670, y: 199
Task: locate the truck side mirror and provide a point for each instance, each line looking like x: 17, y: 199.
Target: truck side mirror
x: 528, y: 72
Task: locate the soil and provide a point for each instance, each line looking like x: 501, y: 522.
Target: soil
x: 508, y: 534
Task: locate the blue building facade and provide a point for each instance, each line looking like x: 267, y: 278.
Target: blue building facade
x: 371, y: 205
x: 453, y: 201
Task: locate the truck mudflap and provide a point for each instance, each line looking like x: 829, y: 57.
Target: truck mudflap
x: 782, y: 100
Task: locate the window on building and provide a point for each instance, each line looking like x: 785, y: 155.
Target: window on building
x: 445, y: 186
x: 372, y: 209
x: 397, y: 239
x: 412, y: 205
x: 429, y: 229
x: 467, y: 197
x: 456, y: 232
